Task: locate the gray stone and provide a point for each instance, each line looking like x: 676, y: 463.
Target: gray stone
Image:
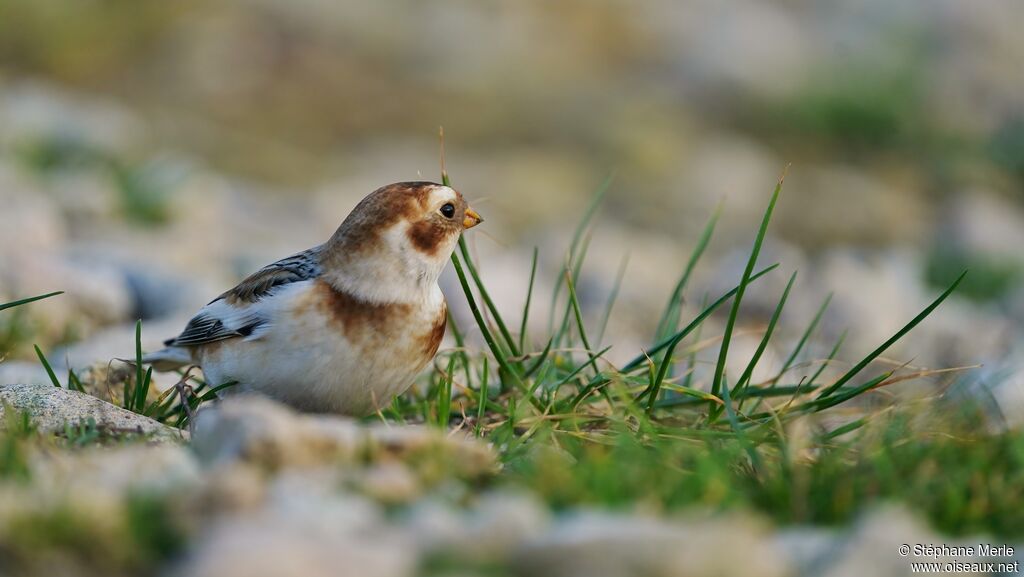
x: 303, y: 531
x: 51, y: 409
x: 496, y: 526
x: 257, y: 430
x: 602, y: 545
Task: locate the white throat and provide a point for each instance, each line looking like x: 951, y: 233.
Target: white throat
x: 399, y: 274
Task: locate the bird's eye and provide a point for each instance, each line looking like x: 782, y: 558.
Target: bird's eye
x: 448, y: 210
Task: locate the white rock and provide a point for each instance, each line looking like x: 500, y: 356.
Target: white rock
x: 491, y: 531
x: 602, y: 545
x: 299, y: 533
x: 258, y: 430
x: 51, y: 408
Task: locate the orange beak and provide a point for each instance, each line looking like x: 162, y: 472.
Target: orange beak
x: 472, y: 219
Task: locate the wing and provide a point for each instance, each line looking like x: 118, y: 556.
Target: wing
x: 236, y: 312
x: 298, y: 267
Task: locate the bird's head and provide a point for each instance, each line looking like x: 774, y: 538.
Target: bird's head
x: 403, y: 230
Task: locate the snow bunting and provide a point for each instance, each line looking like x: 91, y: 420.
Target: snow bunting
x: 342, y: 327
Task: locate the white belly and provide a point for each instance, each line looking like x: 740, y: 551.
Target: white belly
x: 309, y: 359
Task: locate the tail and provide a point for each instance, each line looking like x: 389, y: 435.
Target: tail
x: 169, y: 359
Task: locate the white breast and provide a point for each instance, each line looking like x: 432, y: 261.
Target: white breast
x: 305, y: 357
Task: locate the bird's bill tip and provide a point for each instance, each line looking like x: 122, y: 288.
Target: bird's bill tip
x: 472, y: 219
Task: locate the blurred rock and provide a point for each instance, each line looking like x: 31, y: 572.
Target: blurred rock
x: 496, y: 526
x: 258, y: 430
x: 839, y: 204
x: 51, y: 409
x: 983, y: 224
x: 253, y: 429
x: 871, y: 547
x: 303, y: 533
x: 123, y: 471
x: 33, y: 110
x: 30, y: 222
x: 596, y: 545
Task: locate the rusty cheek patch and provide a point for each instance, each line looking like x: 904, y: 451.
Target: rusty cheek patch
x: 427, y: 236
x: 432, y: 340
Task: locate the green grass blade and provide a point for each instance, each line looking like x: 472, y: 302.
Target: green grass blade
x: 139, y: 371
x: 74, y: 383
x: 672, y: 342
x: 486, y: 296
x: 804, y: 338
x: 822, y: 403
x: 741, y: 436
x: 540, y: 360
x: 5, y: 306
x: 576, y: 266
x: 488, y: 336
x: 692, y: 361
x: 444, y: 404
x: 669, y: 322
x: 828, y: 360
x: 578, y: 238
x: 641, y: 360
x: 529, y: 300
x: 46, y: 365
x: 723, y: 353
x: 481, y: 409
x: 763, y: 345
x: 899, y: 334
x: 574, y: 301
x: 612, y: 297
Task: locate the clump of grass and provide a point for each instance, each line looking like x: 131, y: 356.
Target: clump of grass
x: 174, y: 406
x: 579, y: 429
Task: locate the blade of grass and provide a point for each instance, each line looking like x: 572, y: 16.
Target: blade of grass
x: 486, y: 296
x: 672, y: 342
x: 899, y: 334
x: 612, y: 297
x: 488, y: 337
x: 139, y: 374
x: 692, y: 361
x: 669, y: 322
x: 763, y: 345
x: 804, y: 338
x: 484, y: 392
x: 74, y: 383
x: 46, y: 365
x: 828, y: 360
x: 540, y: 360
x: 723, y: 353
x: 5, y: 306
x: 529, y: 300
x: 575, y: 302
x: 577, y: 267
x: 444, y: 403
x: 578, y: 236
x: 640, y: 360
x: 741, y: 436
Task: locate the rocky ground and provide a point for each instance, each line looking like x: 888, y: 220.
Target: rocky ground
x: 262, y: 490
x: 194, y: 143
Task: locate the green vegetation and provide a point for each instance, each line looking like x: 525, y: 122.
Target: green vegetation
x: 578, y: 430
x: 991, y: 279
x: 143, y: 188
x: 174, y: 406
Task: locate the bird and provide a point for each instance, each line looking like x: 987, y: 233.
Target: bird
x: 342, y: 327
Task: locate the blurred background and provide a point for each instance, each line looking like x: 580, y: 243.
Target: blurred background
x: 153, y: 153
